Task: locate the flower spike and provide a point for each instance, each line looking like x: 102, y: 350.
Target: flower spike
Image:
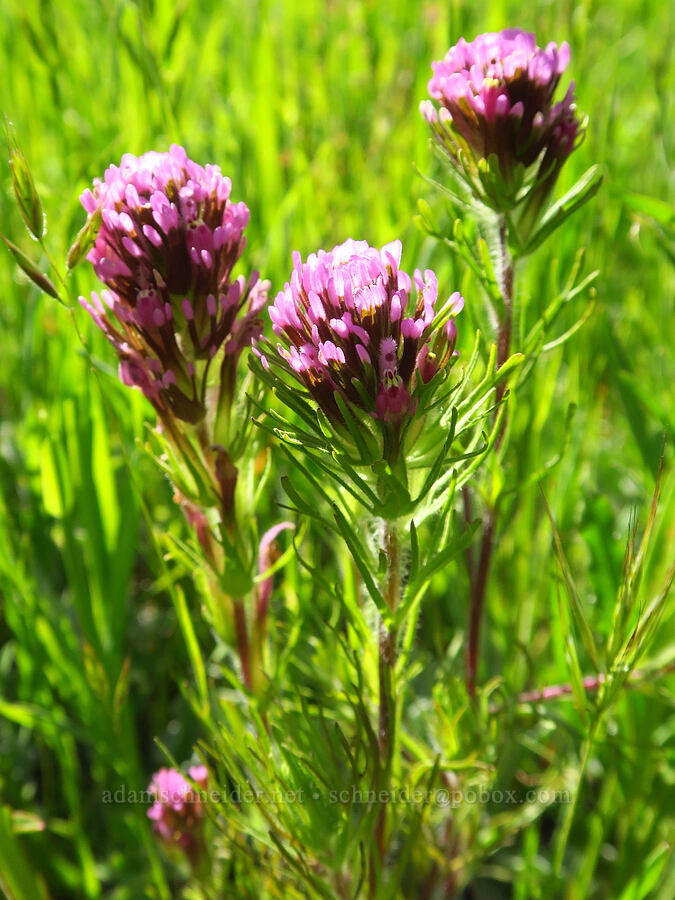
x: 357, y: 330
x: 494, y: 115
x: 168, y: 241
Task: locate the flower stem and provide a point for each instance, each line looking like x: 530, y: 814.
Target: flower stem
x: 388, y: 637
x: 387, y: 658
x: 479, y: 577
x: 590, y: 683
x: 243, y: 646
x: 468, y: 518
x: 505, y: 276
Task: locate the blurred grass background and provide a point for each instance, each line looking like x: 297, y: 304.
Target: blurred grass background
x: 312, y: 109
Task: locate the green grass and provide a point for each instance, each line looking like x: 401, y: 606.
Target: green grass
x: 311, y: 108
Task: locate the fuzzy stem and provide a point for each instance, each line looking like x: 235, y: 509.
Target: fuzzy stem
x: 479, y: 577
x: 505, y: 324
x: 387, y: 658
x: 388, y: 638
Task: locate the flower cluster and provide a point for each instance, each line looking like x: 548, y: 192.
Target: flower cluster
x: 177, y: 812
x: 354, y: 329
x: 496, y: 101
x: 168, y: 241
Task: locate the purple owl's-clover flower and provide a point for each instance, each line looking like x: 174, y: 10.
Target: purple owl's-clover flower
x: 177, y: 812
x: 495, y: 99
x: 168, y: 240
x: 352, y: 324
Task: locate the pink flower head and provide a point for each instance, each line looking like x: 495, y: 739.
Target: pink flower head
x: 168, y: 241
x: 495, y: 97
x: 177, y: 811
x: 351, y: 324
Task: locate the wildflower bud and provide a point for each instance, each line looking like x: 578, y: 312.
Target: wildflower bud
x: 496, y: 115
x: 427, y: 364
x: 198, y: 521
x: 25, y: 191
x: 356, y: 330
x: 451, y: 335
x: 85, y: 239
x: 168, y: 240
x: 268, y: 554
x: 434, y: 356
x: 177, y: 813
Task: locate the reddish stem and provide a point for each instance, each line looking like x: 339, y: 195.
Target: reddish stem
x: 590, y: 683
x: 243, y: 647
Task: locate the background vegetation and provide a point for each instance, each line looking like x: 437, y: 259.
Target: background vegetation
x: 312, y: 109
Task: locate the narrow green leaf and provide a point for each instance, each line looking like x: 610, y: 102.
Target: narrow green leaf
x: 191, y: 643
x: 352, y: 426
x: 434, y: 565
x: 660, y: 210
x: 440, y: 459
x: 32, y: 271
x: 18, y: 878
x: 301, y: 505
x: 571, y: 593
x: 641, y: 886
x: 559, y: 341
x: 571, y: 657
x: 585, y: 188
x: 357, y: 555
